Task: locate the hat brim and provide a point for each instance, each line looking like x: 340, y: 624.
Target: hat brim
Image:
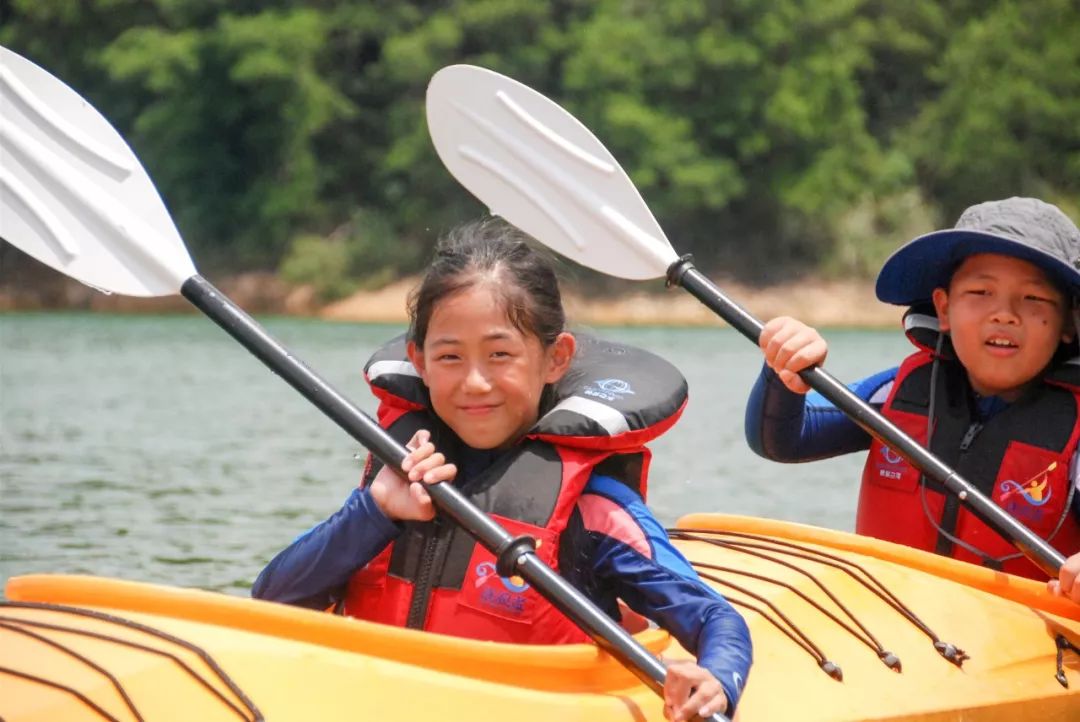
x: 911, y: 274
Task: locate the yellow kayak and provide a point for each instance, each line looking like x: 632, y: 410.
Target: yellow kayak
x: 844, y: 628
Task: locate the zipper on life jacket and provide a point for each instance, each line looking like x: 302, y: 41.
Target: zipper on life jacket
x: 969, y: 436
x: 951, y: 511
x: 418, y: 605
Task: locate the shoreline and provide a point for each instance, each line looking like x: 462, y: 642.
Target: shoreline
x: 824, y: 303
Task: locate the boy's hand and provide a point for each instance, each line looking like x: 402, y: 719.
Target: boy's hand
x: 405, y: 499
x: 684, y: 677
x: 1068, y: 582
x: 791, y: 346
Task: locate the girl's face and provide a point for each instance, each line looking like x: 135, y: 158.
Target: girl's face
x: 1006, y: 320
x: 484, y: 375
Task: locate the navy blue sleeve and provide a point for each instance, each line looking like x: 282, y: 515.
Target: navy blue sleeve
x: 782, y: 425
x: 313, y: 570
x: 634, y: 557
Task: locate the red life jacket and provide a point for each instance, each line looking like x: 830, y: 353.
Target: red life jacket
x: 1020, y: 458
x: 434, y: 576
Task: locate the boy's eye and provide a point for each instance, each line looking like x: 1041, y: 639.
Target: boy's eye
x: 447, y: 357
x: 1040, y: 299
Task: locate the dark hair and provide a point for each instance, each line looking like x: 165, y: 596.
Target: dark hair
x: 494, y: 252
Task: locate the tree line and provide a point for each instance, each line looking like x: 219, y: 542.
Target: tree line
x: 769, y: 137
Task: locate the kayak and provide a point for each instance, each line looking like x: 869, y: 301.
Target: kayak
x: 844, y: 628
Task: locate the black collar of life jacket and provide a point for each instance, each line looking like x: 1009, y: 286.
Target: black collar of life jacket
x: 922, y: 329
x: 614, y: 396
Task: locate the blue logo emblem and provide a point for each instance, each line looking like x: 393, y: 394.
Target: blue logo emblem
x: 505, y: 598
x: 891, y: 457
x: 486, y: 570
x: 609, y: 389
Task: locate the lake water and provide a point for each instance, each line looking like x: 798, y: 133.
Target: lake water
x: 157, y: 449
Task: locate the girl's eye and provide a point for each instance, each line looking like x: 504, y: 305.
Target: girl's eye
x: 1040, y: 299
x: 977, y: 292
x: 500, y: 354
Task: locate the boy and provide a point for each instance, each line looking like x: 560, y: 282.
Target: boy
x: 993, y: 388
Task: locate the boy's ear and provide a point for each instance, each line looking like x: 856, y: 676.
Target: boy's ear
x: 561, y: 354
x: 417, y: 358
x: 1072, y: 321
x: 940, y: 298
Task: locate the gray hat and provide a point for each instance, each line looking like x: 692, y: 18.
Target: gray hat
x: 1025, y: 228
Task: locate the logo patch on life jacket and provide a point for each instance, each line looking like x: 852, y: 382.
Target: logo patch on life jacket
x: 890, y: 456
x: 608, y: 389
x: 504, y: 596
x: 1034, y: 491
x: 893, y: 468
x: 486, y: 570
x: 1026, y: 500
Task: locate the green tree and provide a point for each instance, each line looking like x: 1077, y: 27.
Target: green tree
x: 229, y: 125
x: 1007, y: 118
x: 768, y: 136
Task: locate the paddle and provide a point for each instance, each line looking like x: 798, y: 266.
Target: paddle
x: 76, y: 198
x: 538, y: 167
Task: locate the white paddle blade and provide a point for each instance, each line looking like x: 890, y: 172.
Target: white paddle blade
x: 74, y: 196
x: 538, y: 167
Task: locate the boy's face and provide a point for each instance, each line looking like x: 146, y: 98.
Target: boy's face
x: 1006, y: 320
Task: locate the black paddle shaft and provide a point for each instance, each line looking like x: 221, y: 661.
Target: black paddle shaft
x: 514, y: 554
x: 683, y: 273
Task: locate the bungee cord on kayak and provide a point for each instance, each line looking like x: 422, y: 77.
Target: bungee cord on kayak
x: 866, y: 637
x: 15, y: 623
x: 63, y: 688
x: 892, y: 662
x: 949, y: 651
x: 761, y: 545
x: 791, y: 630
x: 1062, y: 642
x: 72, y: 653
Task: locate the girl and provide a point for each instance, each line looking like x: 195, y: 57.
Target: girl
x: 544, y: 432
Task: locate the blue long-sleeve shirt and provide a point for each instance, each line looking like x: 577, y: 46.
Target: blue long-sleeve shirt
x: 782, y: 425
x: 630, y: 557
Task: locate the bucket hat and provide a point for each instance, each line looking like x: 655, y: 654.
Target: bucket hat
x: 1024, y: 228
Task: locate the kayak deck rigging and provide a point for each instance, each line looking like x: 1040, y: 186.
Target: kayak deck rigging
x: 832, y: 594
x: 19, y: 625
x: 768, y: 548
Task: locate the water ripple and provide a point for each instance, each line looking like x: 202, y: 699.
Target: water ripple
x: 184, y: 462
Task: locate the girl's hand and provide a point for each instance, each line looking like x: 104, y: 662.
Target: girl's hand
x: 684, y: 677
x: 405, y: 498
x: 1068, y: 582
x: 791, y: 346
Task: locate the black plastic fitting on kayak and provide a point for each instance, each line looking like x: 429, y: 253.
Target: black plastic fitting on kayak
x: 951, y: 652
x: 508, y: 553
